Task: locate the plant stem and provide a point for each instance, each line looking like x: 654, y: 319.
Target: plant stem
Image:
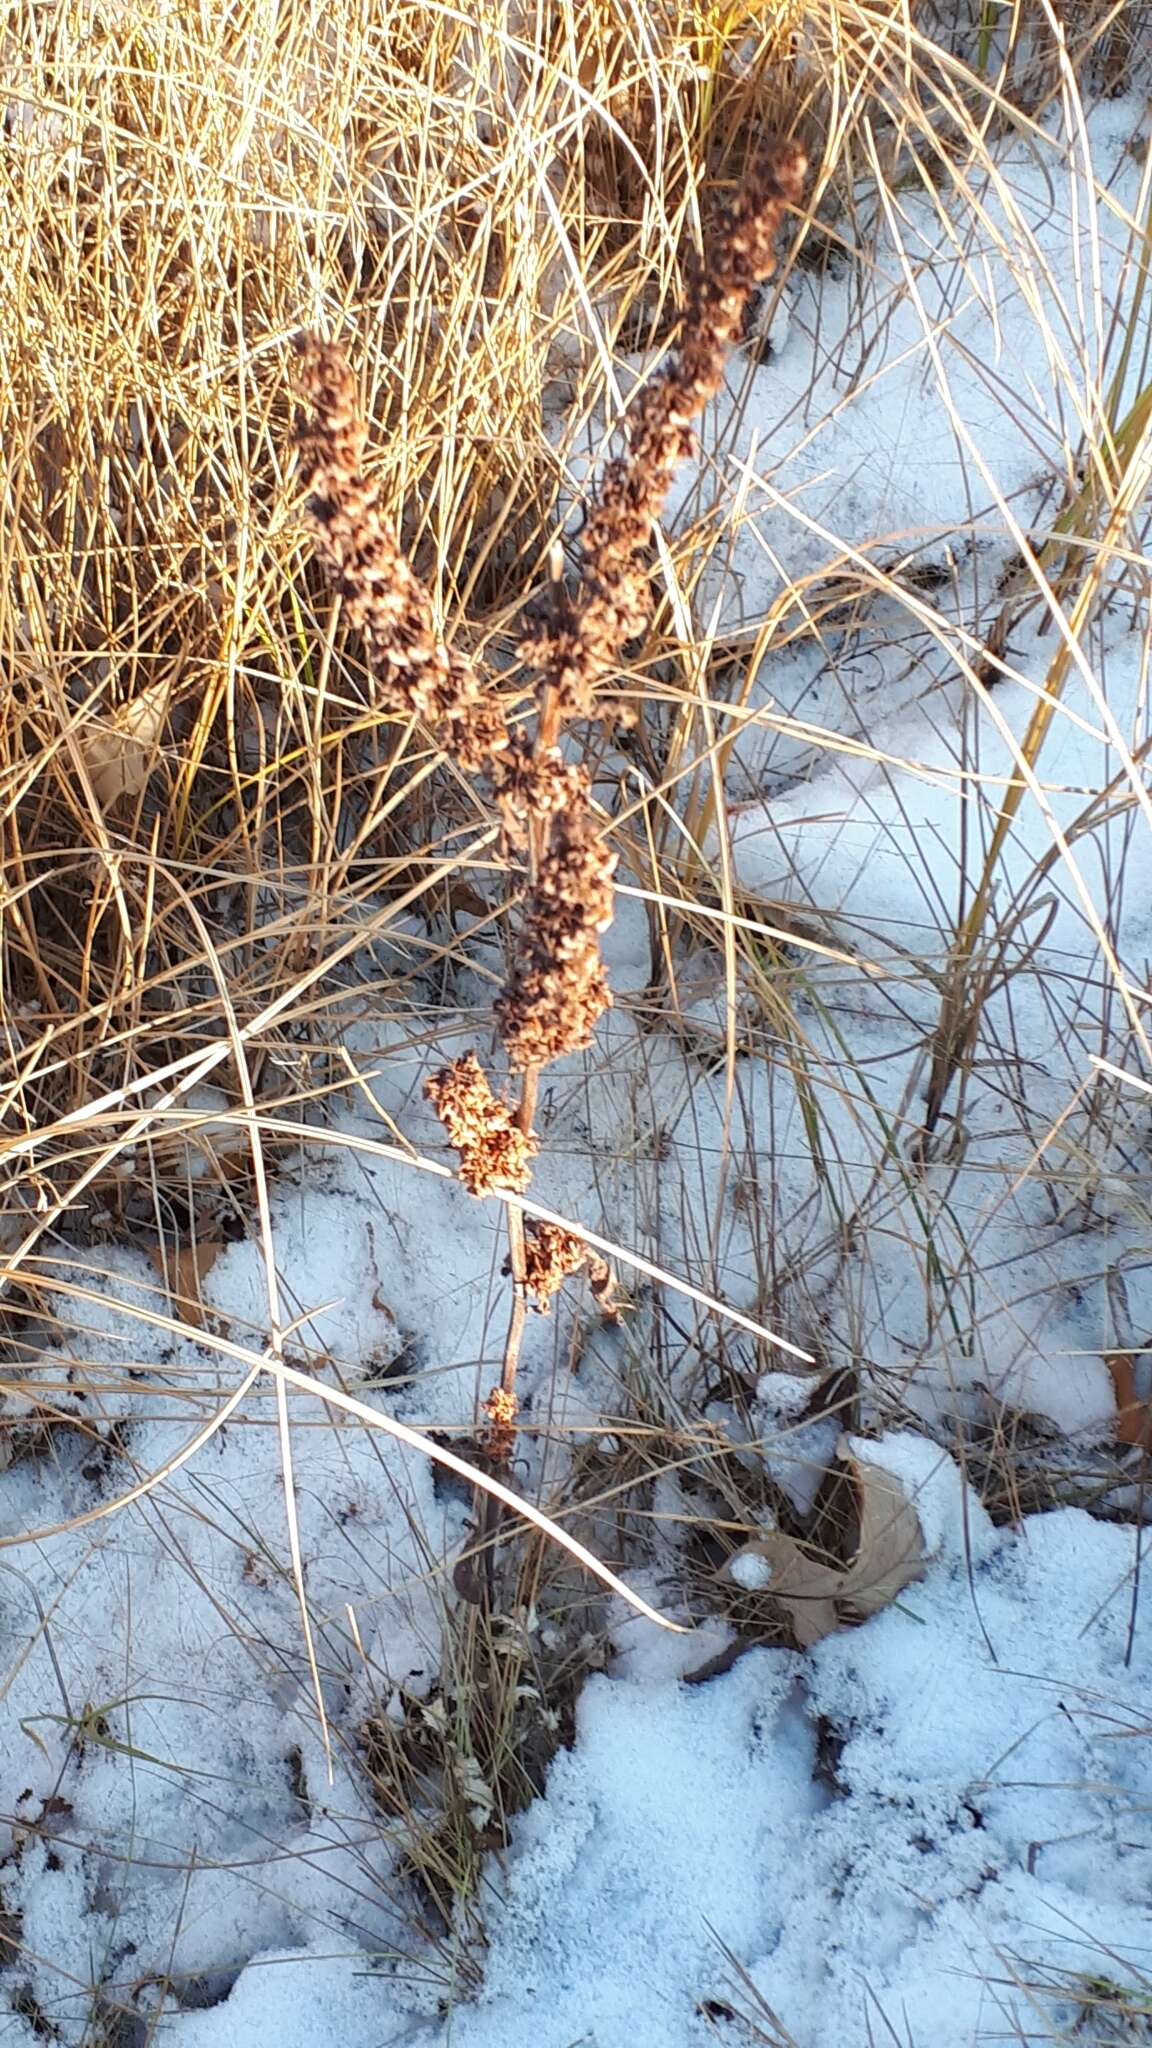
x: 491, y: 1515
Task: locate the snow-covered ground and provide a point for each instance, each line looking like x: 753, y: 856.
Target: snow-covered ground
x: 932, y: 1829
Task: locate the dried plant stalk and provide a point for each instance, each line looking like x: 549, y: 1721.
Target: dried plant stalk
x: 557, y: 988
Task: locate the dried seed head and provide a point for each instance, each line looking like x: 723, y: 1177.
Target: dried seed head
x: 498, y: 1438
x: 415, y: 674
x: 552, y: 1255
x: 533, y: 784
x: 494, y: 1152
x: 613, y: 605
x: 557, y: 989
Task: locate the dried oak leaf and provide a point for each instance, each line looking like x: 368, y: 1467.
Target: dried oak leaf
x: 1133, y: 1424
x: 182, y: 1271
x: 819, y: 1596
x: 119, y: 751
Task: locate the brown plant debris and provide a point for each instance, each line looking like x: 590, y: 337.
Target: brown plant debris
x: 816, y: 1595
x: 498, y: 1439
x: 415, y: 673
x: 1133, y: 1423
x: 182, y: 1269
x: 557, y: 988
x: 494, y: 1152
x: 553, y: 1255
x: 120, y: 751
x: 613, y: 604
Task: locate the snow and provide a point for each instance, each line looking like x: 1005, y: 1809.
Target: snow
x: 929, y: 1826
x: 981, y: 1806
x: 752, y: 1572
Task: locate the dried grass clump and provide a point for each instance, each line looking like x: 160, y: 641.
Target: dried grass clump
x: 495, y: 1153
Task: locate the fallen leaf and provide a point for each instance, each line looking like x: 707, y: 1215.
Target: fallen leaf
x: 1133, y: 1423
x: 818, y: 1595
x: 800, y: 1584
x: 119, y: 751
x: 182, y: 1271
x: 891, y: 1550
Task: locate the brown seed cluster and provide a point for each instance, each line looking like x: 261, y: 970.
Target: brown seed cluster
x: 552, y: 1255
x: 532, y: 785
x: 557, y: 988
x: 498, y: 1438
x: 494, y: 1152
x: 613, y: 604
x: 415, y: 674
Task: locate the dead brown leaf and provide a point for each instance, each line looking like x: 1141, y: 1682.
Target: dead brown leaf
x: 891, y: 1552
x: 804, y: 1587
x: 818, y: 1595
x: 119, y: 751
x: 1133, y: 1423
x: 182, y: 1269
